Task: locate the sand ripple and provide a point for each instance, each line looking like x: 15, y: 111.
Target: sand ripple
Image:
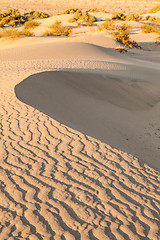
x: 56, y: 183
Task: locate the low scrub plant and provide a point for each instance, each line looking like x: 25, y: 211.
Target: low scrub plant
x: 155, y: 9
x: 133, y: 17
x: 108, y: 24
x: 119, y: 16
x: 13, y: 17
x: 30, y: 24
x: 82, y: 17
x: 121, y: 35
x: 57, y: 29
x: 2, y: 23
x: 36, y: 14
x: 70, y: 11
x: 15, y: 33
x: 150, y: 29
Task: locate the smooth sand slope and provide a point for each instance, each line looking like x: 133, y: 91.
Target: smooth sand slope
x: 118, y: 105
x: 56, y: 182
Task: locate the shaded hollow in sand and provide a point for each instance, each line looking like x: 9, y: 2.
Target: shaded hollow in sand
x: 111, y: 109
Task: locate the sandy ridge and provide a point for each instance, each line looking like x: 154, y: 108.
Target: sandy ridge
x: 57, y: 183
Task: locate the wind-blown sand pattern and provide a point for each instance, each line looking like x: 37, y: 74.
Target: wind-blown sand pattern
x: 57, y: 183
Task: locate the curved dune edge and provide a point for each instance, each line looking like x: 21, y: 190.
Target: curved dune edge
x: 107, y: 107
x: 57, y: 183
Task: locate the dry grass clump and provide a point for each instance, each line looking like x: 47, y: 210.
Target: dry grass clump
x: 118, y: 16
x: 150, y: 29
x: 2, y: 23
x: 155, y: 9
x: 57, y: 29
x: 108, y: 24
x: 31, y: 24
x: 119, y: 32
x: 121, y: 35
x: 133, y: 17
x: 82, y: 17
x: 15, y: 33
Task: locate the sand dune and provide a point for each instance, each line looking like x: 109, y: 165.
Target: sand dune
x: 56, y: 182
x: 114, y: 110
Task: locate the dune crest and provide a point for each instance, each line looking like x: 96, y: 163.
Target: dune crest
x: 58, y: 183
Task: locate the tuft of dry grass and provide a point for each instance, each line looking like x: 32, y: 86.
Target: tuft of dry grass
x: 57, y: 29
x: 15, y: 33
x: 30, y: 24
x: 155, y: 9
x: 150, y: 29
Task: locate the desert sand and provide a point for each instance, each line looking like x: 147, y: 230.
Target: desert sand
x: 79, y: 139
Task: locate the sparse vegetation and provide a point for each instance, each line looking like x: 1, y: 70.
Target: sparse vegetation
x: 30, y: 24
x: 57, y: 29
x: 82, y: 17
x: 108, y: 24
x: 13, y: 17
x: 15, y: 33
x: 150, y: 29
x: 133, y: 17
x: 152, y: 19
x: 155, y: 9
x: 119, y: 16
x: 71, y: 11
x: 93, y: 10
x: 36, y: 14
x: 121, y: 35
x: 2, y: 23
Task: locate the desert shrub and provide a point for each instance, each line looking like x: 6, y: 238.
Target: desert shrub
x: 71, y: 11
x: 26, y: 32
x: 12, y: 17
x: 121, y: 35
x: 36, y: 14
x: 15, y: 33
x: 82, y: 17
x: 10, y: 33
x: 118, y: 16
x: 133, y: 17
x: 2, y: 23
x: 57, y: 29
x: 12, y: 23
x: 155, y: 9
x: 108, y: 24
x: 150, y: 29
x: 30, y: 24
